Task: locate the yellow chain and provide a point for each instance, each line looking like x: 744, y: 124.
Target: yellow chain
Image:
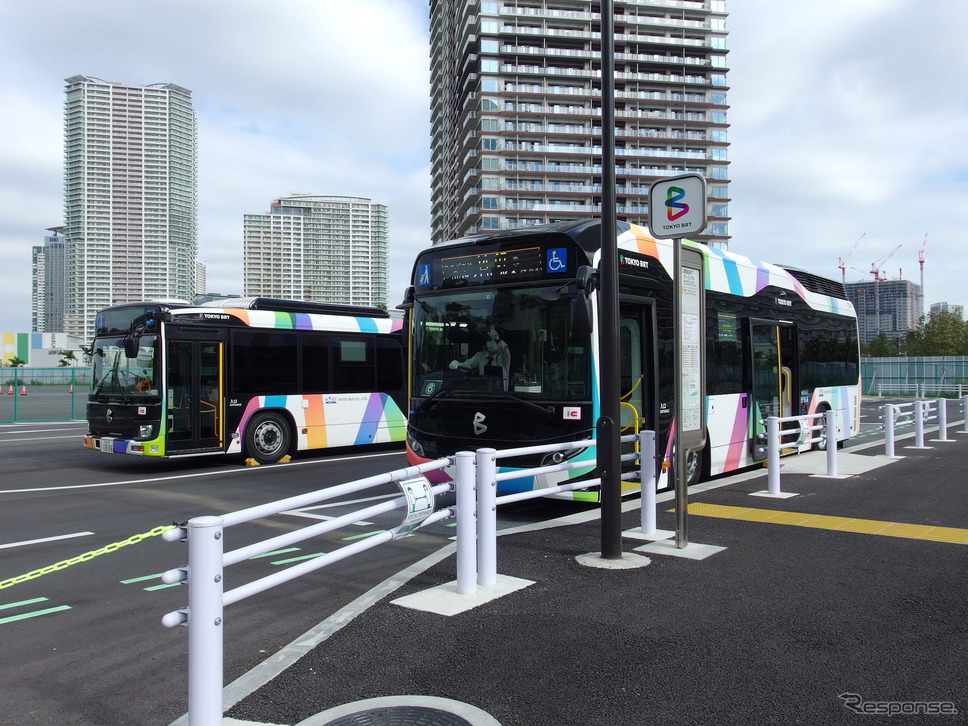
x: 64, y: 564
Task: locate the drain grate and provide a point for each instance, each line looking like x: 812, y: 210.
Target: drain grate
x: 400, y: 716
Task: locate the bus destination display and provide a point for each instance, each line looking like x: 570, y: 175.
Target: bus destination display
x: 490, y: 267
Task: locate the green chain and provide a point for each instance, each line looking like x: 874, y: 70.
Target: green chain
x: 64, y: 564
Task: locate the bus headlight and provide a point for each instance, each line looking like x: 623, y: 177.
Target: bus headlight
x: 144, y: 431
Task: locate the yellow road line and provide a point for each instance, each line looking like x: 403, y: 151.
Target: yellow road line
x: 840, y: 524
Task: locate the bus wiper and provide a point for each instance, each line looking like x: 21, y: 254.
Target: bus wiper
x: 426, y: 402
x: 546, y: 410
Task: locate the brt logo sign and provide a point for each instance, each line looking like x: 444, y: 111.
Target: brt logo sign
x: 675, y: 207
x: 683, y: 201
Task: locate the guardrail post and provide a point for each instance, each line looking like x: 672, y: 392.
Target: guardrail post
x: 919, y: 424
x: 888, y: 429
x: 773, y: 454
x: 647, y: 480
x: 943, y: 419
x: 964, y: 413
x: 486, y: 517
x: 466, y: 491
x: 205, y: 634
x: 831, y: 426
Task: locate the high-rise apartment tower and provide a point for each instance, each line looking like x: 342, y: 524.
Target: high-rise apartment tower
x: 318, y: 248
x: 130, y: 196
x: 516, y: 109
x: 47, y: 301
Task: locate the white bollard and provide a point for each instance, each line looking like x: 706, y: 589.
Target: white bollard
x: 831, y: 426
x: 466, y: 490
x: 964, y: 413
x: 205, y: 632
x: 943, y: 420
x: 889, y: 416
x: 647, y: 480
x: 773, y: 454
x: 486, y: 517
x: 919, y: 424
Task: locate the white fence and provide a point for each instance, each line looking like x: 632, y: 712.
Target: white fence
x: 807, y: 431
x: 917, y: 414
x: 475, y: 486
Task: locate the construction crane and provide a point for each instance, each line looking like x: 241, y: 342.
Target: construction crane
x: 877, y: 267
x: 842, y: 260
x: 924, y: 244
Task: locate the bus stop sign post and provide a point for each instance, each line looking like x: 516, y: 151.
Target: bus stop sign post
x: 677, y: 207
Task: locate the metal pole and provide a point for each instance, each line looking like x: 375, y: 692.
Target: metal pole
x: 205, y: 635
x: 466, y: 529
x: 486, y: 517
x: 943, y: 419
x: 682, y: 493
x: 609, y: 464
x: 964, y: 412
x: 919, y: 424
x: 647, y: 480
x: 831, y: 426
x: 888, y: 430
x: 773, y: 454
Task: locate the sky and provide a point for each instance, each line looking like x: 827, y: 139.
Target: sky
x: 848, y: 124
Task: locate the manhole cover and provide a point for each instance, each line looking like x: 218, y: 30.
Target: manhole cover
x: 401, y: 716
x: 403, y: 711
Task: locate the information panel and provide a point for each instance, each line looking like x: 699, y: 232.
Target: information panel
x: 691, y: 341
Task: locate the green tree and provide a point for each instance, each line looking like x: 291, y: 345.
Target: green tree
x: 880, y: 347
x: 942, y: 333
x: 67, y: 358
x: 17, y: 362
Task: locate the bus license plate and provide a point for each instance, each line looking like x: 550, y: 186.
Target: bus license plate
x: 107, y: 446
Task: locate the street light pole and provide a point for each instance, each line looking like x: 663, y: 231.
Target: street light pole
x: 608, y: 425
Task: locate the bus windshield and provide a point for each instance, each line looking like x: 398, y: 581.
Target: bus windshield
x: 116, y: 374
x: 495, y: 343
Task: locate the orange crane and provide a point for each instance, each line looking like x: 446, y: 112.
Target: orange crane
x: 842, y: 260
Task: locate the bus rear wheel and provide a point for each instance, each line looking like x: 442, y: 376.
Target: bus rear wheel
x: 267, y: 437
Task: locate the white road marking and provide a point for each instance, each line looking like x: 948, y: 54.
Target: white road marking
x: 45, y: 539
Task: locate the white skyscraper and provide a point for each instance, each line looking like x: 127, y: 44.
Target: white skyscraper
x: 130, y: 196
x: 318, y: 248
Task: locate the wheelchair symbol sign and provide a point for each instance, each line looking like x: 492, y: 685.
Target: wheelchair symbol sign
x: 556, y: 260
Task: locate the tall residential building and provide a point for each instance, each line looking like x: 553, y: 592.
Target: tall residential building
x: 943, y: 307
x: 130, y: 196
x: 317, y: 248
x: 891, y: 307
x: 47, y: 303
x: 516, y: 109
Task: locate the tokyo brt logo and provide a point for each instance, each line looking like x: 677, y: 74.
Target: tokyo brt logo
x: 675, y: 208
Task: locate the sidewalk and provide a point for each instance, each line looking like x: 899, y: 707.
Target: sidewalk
x: 850, y: 598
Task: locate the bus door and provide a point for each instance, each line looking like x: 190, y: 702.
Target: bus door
x: 772, y: 357
x: 636, y: 368
x: 194, y: 394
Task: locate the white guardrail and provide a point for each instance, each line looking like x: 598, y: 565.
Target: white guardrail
x: 917, y: 413
x: 806, y: 432
x: 475, y: 508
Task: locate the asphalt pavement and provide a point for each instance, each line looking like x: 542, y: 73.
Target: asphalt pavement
x: 846, y: 603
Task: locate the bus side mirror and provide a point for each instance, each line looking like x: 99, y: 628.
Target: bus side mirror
x: 132, y: 345
x: 581, y: 315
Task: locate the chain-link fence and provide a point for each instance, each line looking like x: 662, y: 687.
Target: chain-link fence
x: 43, y: 394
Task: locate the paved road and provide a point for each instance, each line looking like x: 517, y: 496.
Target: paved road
x: 85, y: 645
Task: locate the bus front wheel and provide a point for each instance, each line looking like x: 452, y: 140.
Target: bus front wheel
x: 267, y: 437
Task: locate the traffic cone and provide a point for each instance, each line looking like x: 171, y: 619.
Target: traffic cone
x: 10, y: 390
x: 23, y: 390
x: 70, y: 389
